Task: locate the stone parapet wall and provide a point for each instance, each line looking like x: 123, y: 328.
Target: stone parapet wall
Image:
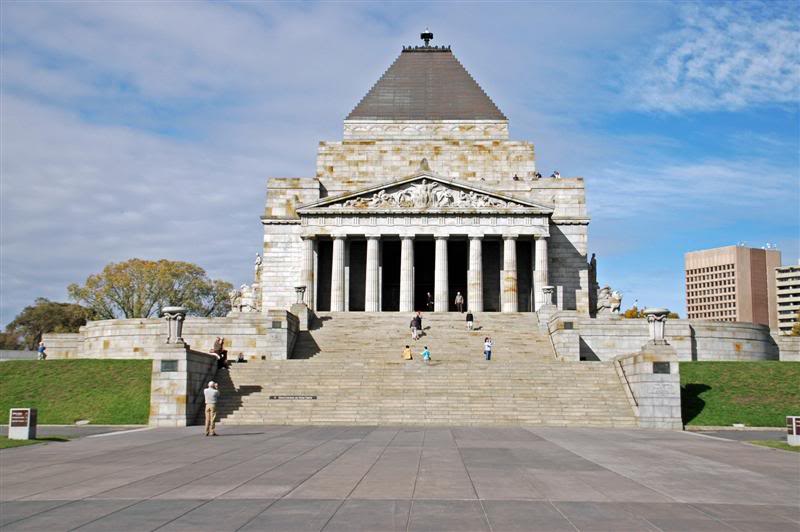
x: 732, y: 341
x: 789, y: 346
x: 425, y: 129
x: 271, y: 335
x: 605, y: 339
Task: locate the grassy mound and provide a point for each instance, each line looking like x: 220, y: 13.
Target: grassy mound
x: 106, y: 392
x: 758, y: 394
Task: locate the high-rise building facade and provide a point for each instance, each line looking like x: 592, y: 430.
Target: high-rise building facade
x: 787, y: 284
x: 732, y: 283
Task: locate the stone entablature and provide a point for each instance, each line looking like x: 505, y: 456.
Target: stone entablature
x: 426, y: 129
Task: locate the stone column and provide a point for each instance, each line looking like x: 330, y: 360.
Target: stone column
x: 347, y: 275
x: 407, y: 274
x: 475, y: 275
x: 372, y: 291
x: 441, y: 296
x: 508, y: 295
x: 307, y: 270
x: 337, y: 275
x: 540, y: 278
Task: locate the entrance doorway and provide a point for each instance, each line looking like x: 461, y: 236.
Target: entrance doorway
x: 424, y: 267
x: 390, y: 266
x: 457, y: 265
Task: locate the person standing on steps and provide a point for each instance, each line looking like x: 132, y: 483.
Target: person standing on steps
x: 211, y: 395
x: 418, y: 322
x: 413, y: 326
x: 407, y: 354
x: 459, y: 302
x: 487, y: 348
x: 470, y: 320
x: 426, y: 355
x: 429, y: 302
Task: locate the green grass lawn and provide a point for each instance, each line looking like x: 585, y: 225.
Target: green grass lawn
x: 5, y: 443
x: 776, y: 445
x: 758, y: 394
x: 106, y: 392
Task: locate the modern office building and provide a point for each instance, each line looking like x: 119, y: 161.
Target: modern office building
x: 787, y: 285
x: 732, y: 283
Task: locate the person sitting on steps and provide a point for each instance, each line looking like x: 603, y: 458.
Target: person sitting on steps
x: 407, y: 354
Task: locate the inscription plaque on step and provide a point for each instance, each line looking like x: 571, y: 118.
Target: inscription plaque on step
x: 293, y: 397
x: 169, y: 366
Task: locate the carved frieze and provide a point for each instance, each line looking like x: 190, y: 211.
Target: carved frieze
x: 423, y: 195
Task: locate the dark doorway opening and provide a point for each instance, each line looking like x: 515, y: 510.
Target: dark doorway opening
x: 492, y: 262
x: 424, y: 266
x: 358, y: 274
x: 524, y: 275
x: 457, y: 264
x: 324, y: 258
x: 390, y: 267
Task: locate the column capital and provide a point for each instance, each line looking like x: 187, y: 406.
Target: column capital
x: 308, y: 237
x: 441, y: 237
x: 540, y: 237
x: 372, y: 237
x: 510, y: 237
x: 476, y: 237
x: 339, y: 237
x: 406, y: 237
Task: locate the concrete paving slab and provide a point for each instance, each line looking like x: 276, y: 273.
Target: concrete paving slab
x: 443, y: 516
x: 294, y: 515
x: 69, y: 516
x: 600, y: 517
x: 220, y: 515
x: 15, y: 511
x: 523, y: 516
x: 370, y: 515
x: 144, y: 516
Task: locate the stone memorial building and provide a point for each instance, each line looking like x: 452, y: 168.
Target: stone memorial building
x: 426, y: 193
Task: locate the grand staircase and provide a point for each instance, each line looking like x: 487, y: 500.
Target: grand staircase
x: 349, y: 370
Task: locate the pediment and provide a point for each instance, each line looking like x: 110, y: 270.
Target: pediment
x: 424, y: 192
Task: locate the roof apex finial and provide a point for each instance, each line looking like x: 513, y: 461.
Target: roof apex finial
x: 426, y: 36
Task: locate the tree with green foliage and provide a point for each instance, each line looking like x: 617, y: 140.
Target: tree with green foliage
x: 140, y: 288
x: 44, y: 316
x: 796, y: 326
x: 635, y: 312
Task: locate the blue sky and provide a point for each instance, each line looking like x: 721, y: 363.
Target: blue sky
x: 149, y: 129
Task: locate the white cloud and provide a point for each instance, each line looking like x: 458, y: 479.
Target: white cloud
x: 725, y: 56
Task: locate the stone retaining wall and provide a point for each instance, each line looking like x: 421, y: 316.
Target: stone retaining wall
x: 789, y: 346
x: 176, y: 396
x: 605, y: 339
x: 271, y: 335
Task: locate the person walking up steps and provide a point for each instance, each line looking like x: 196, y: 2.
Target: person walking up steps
x: 426, y: 355
x: 487, y: 348
x: 418, y: 322
x: 470, y: 320
x: 211, y: 394
x: 413, y: 326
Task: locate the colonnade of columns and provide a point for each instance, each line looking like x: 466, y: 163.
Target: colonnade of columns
x: 372, y: 299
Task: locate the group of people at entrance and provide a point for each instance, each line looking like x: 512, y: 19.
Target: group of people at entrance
x: 417, y: 332
x: 459, y: 302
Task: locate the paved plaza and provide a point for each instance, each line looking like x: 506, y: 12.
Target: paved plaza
x: 365, y: 478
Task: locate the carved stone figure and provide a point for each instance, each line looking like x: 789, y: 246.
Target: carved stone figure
x: 244, y: 299
x: 424, y: 195
x: 608, y: 301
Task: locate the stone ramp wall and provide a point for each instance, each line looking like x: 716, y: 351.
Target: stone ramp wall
x: 271, y: 335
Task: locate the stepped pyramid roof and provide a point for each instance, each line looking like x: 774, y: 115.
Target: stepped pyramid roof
x: 426, y: 83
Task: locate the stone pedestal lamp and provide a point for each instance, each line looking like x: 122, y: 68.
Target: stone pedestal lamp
x: 175, y: 317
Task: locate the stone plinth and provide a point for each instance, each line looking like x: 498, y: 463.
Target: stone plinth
x: 653, y: 378
x: 176, y: 387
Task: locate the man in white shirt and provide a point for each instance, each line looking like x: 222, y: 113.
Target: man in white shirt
x: 212, y: 394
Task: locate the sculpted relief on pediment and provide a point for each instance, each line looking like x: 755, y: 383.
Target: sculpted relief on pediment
x: 422, y: 195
